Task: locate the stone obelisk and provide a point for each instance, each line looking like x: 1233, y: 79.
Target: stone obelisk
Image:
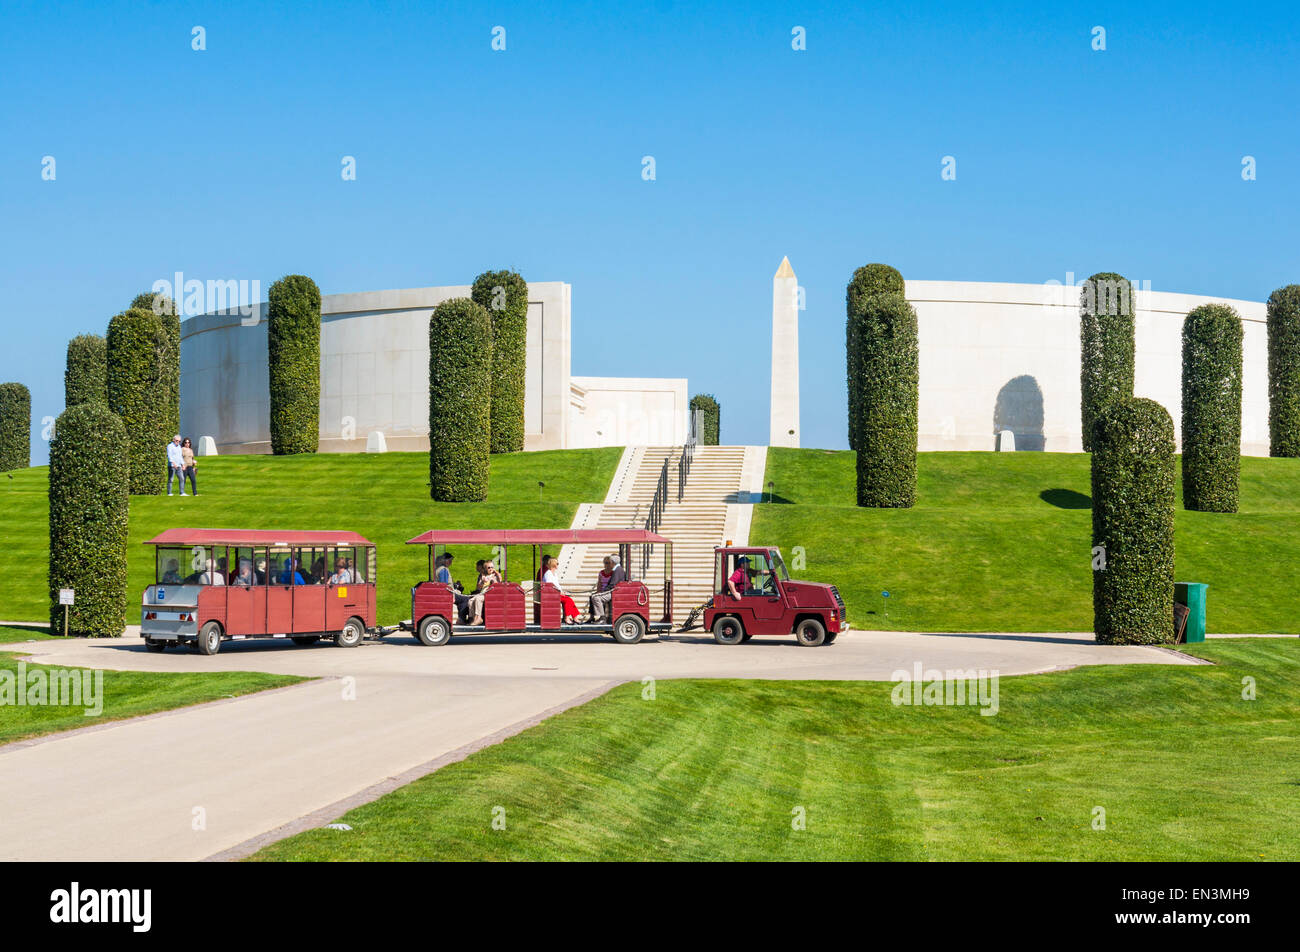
x: 785, y: 357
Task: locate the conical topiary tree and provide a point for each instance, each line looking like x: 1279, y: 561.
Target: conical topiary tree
x: 89, y: 515
x: 138, y: 349
x: 1212, y: 336
x: 1107, y: 308
x: 293, y: 359
x: 1284, y: 371
x: 884, y: 379
x: 1133, y: 503
x: 84, y: 377
x: 460, y: 396
x: 867, y: 282
x: 504, y: 294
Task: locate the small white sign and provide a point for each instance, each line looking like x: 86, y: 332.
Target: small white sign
x: 66, y: 596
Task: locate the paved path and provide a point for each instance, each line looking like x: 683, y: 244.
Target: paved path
x: 250, y: 766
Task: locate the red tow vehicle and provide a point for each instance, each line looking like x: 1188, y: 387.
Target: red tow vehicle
x: 215, y: 585
x: 535, y: 606
x: 769, y: 602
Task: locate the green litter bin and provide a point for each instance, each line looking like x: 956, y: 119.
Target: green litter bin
x: 1192, y: 595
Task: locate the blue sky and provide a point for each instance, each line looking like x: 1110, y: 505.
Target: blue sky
x: 226, y: 163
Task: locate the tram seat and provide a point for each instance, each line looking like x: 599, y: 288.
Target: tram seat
x: 504, y: 607
x: 547, y: 608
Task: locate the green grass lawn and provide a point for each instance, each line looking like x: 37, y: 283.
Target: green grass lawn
x: 1002, y: 542
x: 10, y: 634
x: 385, y: 498
x: 1184, y: 768
x: 125, y: 694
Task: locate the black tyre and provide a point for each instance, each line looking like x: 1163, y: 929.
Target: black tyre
x: 155, y: 646
x: 354, y: 629
x: 209, y: 642
x: 810, y: 632
x: 629, y: 629
x: 728, y: 630
x: 305, y: 640
x: 434, y: 631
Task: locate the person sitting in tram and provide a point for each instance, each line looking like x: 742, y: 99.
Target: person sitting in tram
x: 317, y: 576
x: 444, y: 575
x: 342, y: 574
x: 259, y: 572
x: 291, y: 575
x: 172, y: 576
x: 548, y: 575
x: 487, y: 577
x: 600, y: 600
x: 244, y: 577
x: 223, y: 569
x: 739, y: 579
x: 210, y: 575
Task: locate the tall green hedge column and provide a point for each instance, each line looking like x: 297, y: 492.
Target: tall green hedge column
x: 1133, y: 506
x: 169, y: 314
x: 1107, y: 345
x: 89, y: 514
x: 293, y: 358
x: 138, y: 392
x: 1211, y: 408
x: 710, y: 418
x: 505, y: 296
x: 15, y: 426
x: 1284, y: 371
x: 868, y: 281
x: 885, y: 375
x: 84, y: 377
x: 460, y: 400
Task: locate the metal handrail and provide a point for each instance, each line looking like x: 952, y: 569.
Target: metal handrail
x: 688, y: 453
x: 657, y: 506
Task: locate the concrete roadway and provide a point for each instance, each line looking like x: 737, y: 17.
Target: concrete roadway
x: 219, y: 780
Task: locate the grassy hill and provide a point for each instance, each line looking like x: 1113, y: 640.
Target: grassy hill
x: 384, y: 497
x: 1002, y: 542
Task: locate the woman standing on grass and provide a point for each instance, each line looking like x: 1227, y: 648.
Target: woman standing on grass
x: 187, y: 470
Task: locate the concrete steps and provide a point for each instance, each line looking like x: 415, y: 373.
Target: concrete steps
x: 696, y: 524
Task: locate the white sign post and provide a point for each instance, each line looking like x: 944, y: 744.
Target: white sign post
x: 67, y: 596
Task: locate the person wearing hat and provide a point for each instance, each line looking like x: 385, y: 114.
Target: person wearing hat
x: 175, y: 464
x: 738, y: 580
x: 444, y: 575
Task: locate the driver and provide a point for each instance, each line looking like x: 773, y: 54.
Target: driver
x: 738, y: 579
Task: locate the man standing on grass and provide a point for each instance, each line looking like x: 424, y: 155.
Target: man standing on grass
x: 175, y: 464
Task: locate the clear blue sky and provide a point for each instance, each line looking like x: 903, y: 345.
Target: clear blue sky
x: 225, y: 163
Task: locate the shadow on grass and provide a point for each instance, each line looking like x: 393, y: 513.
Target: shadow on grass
x: 1066, y: 499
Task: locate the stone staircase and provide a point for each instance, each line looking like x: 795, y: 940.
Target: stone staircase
x: 696, y: 524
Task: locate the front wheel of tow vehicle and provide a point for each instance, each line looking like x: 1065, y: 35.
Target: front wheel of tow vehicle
x: 209, y: 642
x: 629, y: 629
x: 728, y: 631
x: 353, y: 631
x: 434, y: 631
x: 810, y: 633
